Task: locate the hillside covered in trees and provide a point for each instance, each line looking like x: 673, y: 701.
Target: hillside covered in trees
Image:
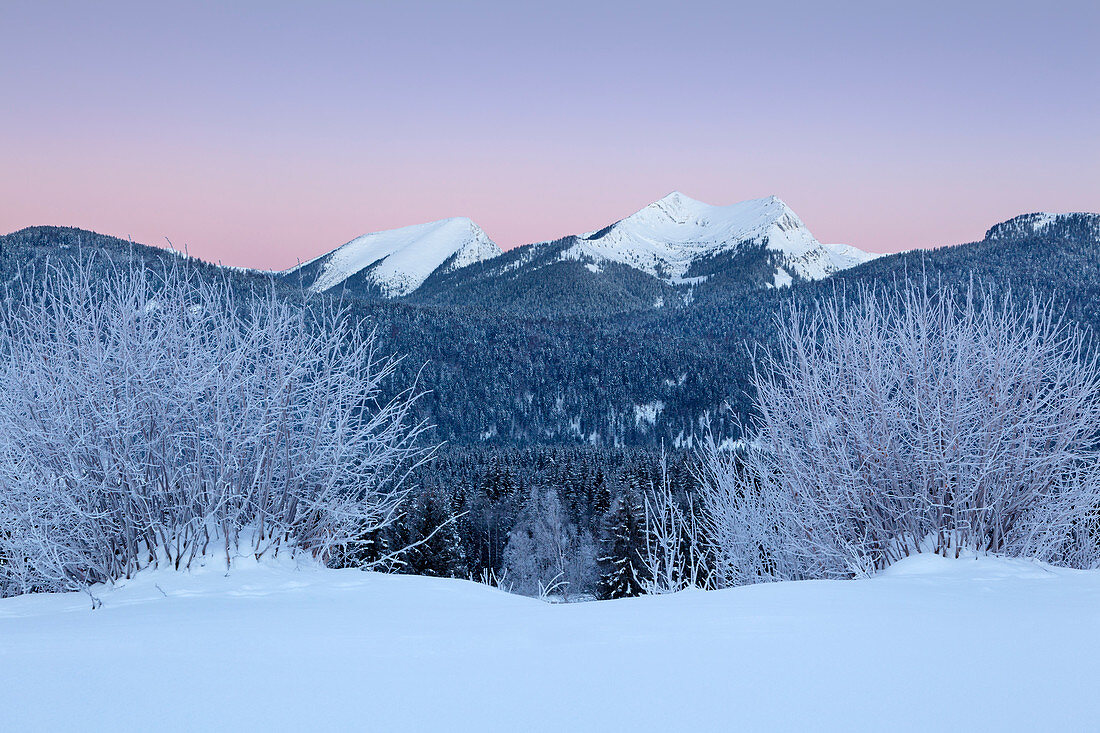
x: 560, y: 406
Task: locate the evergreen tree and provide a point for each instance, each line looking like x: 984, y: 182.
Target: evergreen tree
x: 430, y: 521
x: 622, y: 539
x: 600, y: 498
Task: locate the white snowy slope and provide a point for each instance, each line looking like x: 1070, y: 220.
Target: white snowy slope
x: 668, y: 235
x: 973, y: 644
x: 400, y: 260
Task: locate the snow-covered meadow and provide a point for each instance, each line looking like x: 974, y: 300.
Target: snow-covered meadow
x: 973, y: 644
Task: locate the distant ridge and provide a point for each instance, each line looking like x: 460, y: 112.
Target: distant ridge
x: 676, y: 240
x: 1069, y: 225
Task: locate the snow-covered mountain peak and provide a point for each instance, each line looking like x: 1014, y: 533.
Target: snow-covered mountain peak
x: 678, y: 207
x: 679, y: 218
x: 398, y: 261
x: 667, y: 236
x: 677, y: 239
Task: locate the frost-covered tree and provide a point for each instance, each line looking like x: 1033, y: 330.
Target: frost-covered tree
x: 545, y: 552
x: 675, y: 553
x: 906, y: 420
x: 155, y: 416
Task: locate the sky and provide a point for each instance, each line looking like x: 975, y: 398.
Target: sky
x: 263, y: 133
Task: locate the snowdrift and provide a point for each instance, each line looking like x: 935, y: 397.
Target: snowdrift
x: 979, y: 644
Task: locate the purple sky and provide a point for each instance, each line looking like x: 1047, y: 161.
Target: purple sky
x: 258, y: 133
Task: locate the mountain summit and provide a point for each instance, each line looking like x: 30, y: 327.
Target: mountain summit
x: 397, y: 261
x: 668, y: 236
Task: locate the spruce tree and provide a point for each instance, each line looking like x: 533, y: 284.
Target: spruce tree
x: 430, y: 521
x: 622, y: 539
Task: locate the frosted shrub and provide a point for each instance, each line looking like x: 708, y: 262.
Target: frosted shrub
x: 675, y: 556
x: 149, y: 418
x: 912, y: 420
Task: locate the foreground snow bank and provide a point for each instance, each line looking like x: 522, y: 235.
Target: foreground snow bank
x: 977, y: 644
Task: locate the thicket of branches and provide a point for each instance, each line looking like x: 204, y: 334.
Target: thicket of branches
x: 152, y: 417
x: 906, y: 420
x: 677, y: 555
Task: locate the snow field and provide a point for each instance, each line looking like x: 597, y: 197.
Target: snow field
x: 985, y: 644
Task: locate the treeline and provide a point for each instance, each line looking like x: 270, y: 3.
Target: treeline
x: 564, y: 521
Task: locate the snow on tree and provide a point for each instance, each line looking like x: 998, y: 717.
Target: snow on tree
x: 622, y: 543
x: 152, y: 417
x: 545, y: 552
x: 435, y: 548
x: 908, y: 420
x: 674, y: 556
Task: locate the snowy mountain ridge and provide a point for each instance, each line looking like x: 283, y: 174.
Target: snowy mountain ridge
x: 1067, y: 225
x: 662, y: 240
x: 666, y: 237
x: 398, y: 261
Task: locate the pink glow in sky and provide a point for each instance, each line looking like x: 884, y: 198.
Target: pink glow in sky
x: 262, y: 133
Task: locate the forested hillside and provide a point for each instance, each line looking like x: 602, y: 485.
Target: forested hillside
x: 509, y: 364
x: 553, y: 393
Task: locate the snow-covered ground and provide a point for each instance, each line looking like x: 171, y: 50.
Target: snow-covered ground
x: 931, y: 644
